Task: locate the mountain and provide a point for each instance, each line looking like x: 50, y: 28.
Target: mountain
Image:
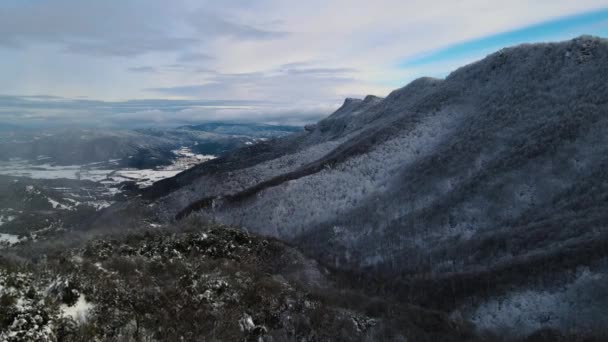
x: 482, y: 194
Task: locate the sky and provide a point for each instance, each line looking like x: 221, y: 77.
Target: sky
x: 157, y: 62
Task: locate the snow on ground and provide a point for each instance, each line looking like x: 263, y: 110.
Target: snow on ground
x: 186, y: 152
x: 73, y: 201
x: 573, y: 306
x: 23, y: 168
x: 57, y: 205
x: 98, y: 205
x: 6, y: 219
x: 144, y: 178
x: 78, y: 311
x: 9, y: 239
x: 186, y: 159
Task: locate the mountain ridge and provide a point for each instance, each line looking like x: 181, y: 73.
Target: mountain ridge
x: 439, y: 179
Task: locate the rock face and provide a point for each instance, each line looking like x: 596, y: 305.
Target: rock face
x: 484, y: 188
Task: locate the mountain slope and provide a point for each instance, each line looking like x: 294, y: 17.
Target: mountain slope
x: 197, y: 282
x: 489, y: 184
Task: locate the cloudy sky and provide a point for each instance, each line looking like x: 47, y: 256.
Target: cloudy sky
x: 152, y: 62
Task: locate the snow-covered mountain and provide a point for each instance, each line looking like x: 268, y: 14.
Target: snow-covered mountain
x: 482, y: 194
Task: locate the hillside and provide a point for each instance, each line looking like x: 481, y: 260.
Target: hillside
x: 196, y: 282
x: 482, y: 194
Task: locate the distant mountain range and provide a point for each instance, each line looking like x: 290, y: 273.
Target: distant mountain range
x: 138, y: 148
x: 247, y: 129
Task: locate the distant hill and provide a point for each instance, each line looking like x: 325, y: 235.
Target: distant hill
x: 249, y: 129
x: 137, y: 148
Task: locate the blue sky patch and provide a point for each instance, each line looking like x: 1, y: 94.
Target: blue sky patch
x: 593, y: 23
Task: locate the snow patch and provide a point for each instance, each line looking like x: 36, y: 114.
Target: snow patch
x: 98, y: 173
x: 246, y: 323
x: 9, y: 239
x: 6, y: 219
x: 57, y: 205
x: 79, y: 311
x: 98, y: 205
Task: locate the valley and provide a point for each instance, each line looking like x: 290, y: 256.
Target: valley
x: 47, y: 196
x: 111, y: 172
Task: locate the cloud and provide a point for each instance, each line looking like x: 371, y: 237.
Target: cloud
x: 186, y: 68
x: 129, y: 46
x: 42, y: 111
x: 143, y: 69
x: 320, y: 71
x: 213, y: 24
x: 274, y: 56
x: 194, y: 57
x: 127, y: 28
x: 568, y: 26
x: 94, y: 28
x: 296, y: 85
